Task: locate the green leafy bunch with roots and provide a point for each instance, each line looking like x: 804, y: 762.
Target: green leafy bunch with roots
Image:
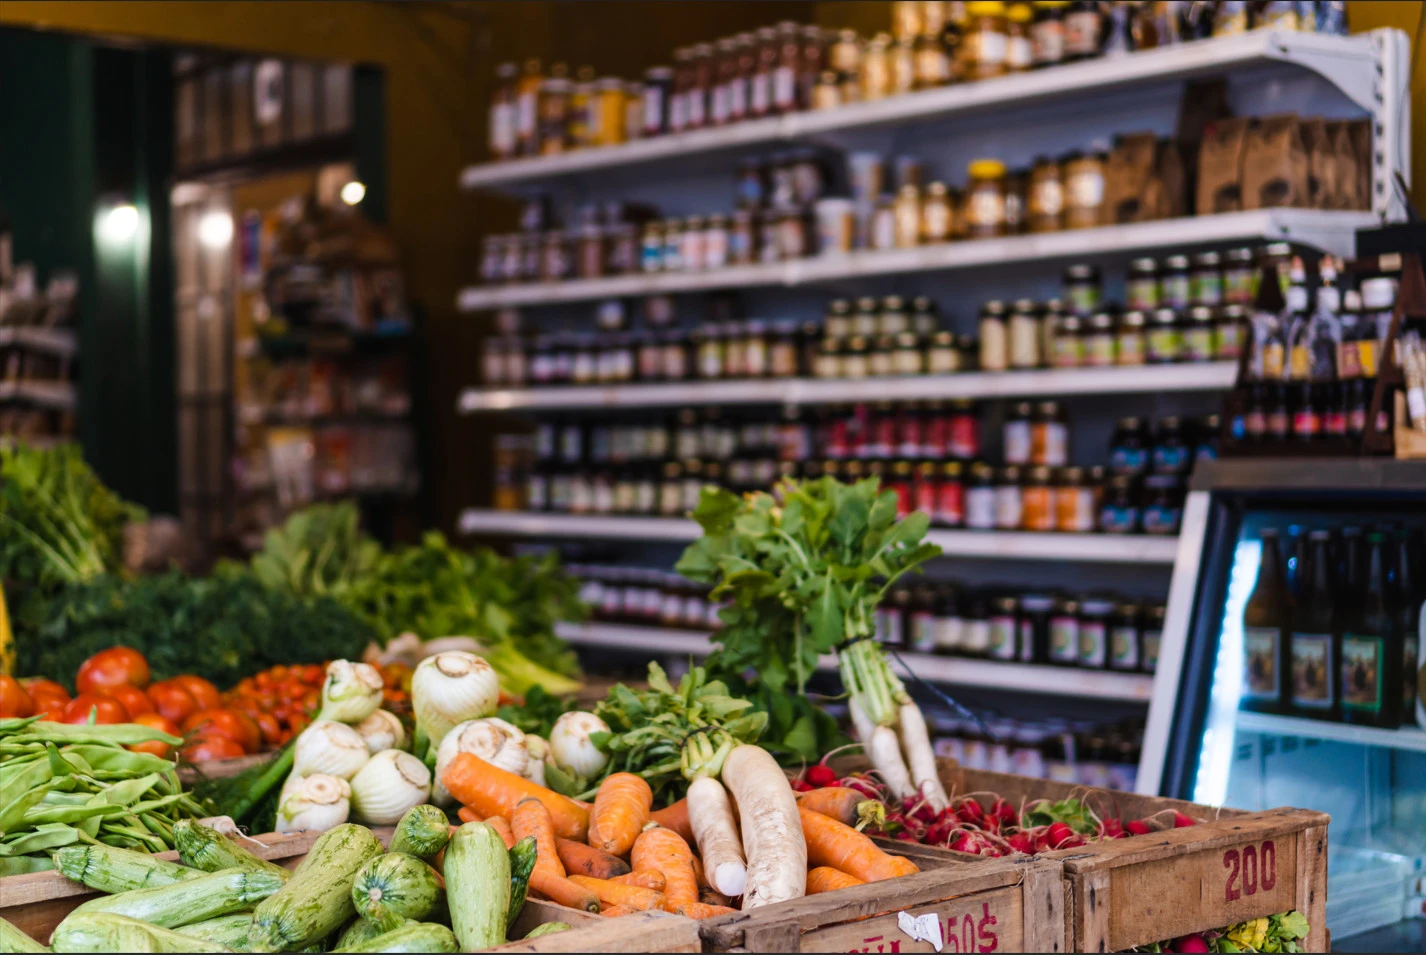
x: 803, y: 570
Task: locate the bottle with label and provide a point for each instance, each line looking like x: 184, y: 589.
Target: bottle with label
x: 1125, y: 651
x: 1266, y: 619
x: 1316, y: 639
x: 1094, y: 632
x: 1004, y: 629
x: 1064, y: 633
x: 1153, y: 624
x: 1372, y: 652
x: 1410, y: 586
x: 502, y: 140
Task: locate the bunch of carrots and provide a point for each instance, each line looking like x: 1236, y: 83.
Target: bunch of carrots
x: 618, y: 855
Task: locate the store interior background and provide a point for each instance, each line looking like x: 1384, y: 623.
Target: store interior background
x: 423, y: 73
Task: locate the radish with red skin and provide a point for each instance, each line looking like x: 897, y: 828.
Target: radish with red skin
x: 802, y: 786
x: 820, y: 775
x: 1180, y: 821
x: 1139, y: 827
x: 1190, y: 943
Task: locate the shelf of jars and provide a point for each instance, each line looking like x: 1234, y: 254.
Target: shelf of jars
x: 1010, y: 545
x: 54, y: 341
x: 1405, y: 738
x: 59, y: 395
x: 955, y: 671
x: 1333, y: 232
x: 1050, y: 382
x: 1347, y: 62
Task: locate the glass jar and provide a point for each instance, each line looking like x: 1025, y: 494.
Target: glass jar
x: 1019, y: 49
x: 1119, y: 507
x: 1201, y: 334
x: 1037, y: 501
x: 1174, y: 286
x: 881, y: 356
x: 1129, y: 447
x: 1047, y: 32
x: 829, y: 359
x: 742, y: 242
x: 555, y: 261
x: 1205, y: 280
x: 1024, y: 335
x: 838, y: 321
x: 942, y: 355
x: 1172, y: 453
x: 950, y: 509
x: 932, y: 63
x: 1124, y: 637
x: 908, y: 359
x: 710, y: 351
x: 827, y: 94
x: 782, y: 358
x: 715, y: 243
x: 1004, y: 629
x: 985, y: 199
x: 1163, y: 504
x: 554, y: 115
x: 1034, y: 615
x: 892, y: 320
x: 768, y: 245
x: 936, y: 214
x: 1017, y: 442
x: 980, y: 497
x: 1239, y: 277
x: 1084, y: 289
x: 1084, y: 27
x: 1017, y: 186
x: 651, y: 248
x: 1064, y: 633
x: 1074, y: 502
x: 1094, y: 615
x: 1046, y: 200
x: 1084, y: 189
x: 1141, y: 288
x: 876, y: 68
x: 994, y: 346
x: 792, y: 233
x: 1130, y: 339
x: 1230, y: 332
x: 1165, y: 337
x: 1009, y: 501
x: 673, y: 246
x: 1099, y: 340
x: 1069, y: 343
x: 855, y: 360
x: 908, y: 217
x: 881, y: 230
x: 982, y: 50
x: 866, y: 320
x: 693, y: 247
x: 1049, y: 435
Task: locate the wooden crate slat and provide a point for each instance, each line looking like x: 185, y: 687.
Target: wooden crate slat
x: 639, y: 932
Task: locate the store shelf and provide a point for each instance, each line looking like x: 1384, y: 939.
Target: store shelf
x: 1406, y: 738
x: 1060, y: 383
x: 1055, y: 681
x: 1333, y: 232
x: 1346, y: 62
x: 1098, y: 548
x: 53, y: 341
x: 50, y: 394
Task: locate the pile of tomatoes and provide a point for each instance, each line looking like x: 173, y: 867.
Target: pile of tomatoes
x: 289, y: 695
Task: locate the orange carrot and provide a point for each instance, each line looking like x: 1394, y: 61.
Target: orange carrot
x: 698, y: 910
x: 675, y: 817
x: 824, y: 878
x: 648, y: 879
x: 621, y: 810
x: 467, y: 814
x: 616, y: 893
x: 501, y: 825
x: 832, y: 844
x: 663, y: 850
x: 491, y: 791
x: 557, y: 888
x: 836, y: 801
x: 614, y: 911
x: 580, y: 859
x: 531, y: 818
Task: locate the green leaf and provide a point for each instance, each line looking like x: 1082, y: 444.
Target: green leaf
x: 1293, y: 925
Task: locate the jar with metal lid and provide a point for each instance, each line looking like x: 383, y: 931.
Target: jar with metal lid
x: 1205, y: 279
x: 892, y: 320
x: 908, y: 216
x: 838, y: 321
x: 1124, y: 637
x: 1200, y: 334
x: 1165, y: 337
x: 1024, y: 335
x: 1046, y: 200
x: 942, y: 355
x: 855, y: 358
x: 924, y: 319
x: 994, y: 344
x: 901, y: 63
x: 1084, y: 27
x: 1239, y: 277
x: 985, y: 198
x: 980, y: 497
x: 1017, y: 441
x: 907, y: 359
x: 982, y: 50
x: 709, y: 356
x: 1074, y: 502
x: 1038, y: 512
x: 1174, y: 285
x: 1084, y: 289
x: 1119, y: 507
x: 827, y: 93
x: 1019, y: 48
x: 829, y: 358
x: 1009, y: 501
x: 936, y: 214
x: 1099, y: 340
x: 1084, y: 188
x: 1049, y: 435
x: 876, y: 68
x: 1130, y: 339
x: 1094, y: 615
x: 1141, y: 288
x: 1230, y: 332
x: 693, y: 246
x: 1047, y: 32
x: 1069, y: 343
x: 880, y: 356
x: 932, y: 63
x: 866, y: 321
x: 783, y: 350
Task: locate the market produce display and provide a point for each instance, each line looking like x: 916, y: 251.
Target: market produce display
x: 1275, y: 933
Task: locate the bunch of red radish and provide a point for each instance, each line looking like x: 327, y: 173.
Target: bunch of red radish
x: 968, y: 826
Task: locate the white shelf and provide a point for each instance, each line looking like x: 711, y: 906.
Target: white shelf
x: 1406, y: 738
x: 55, y: 341
x: 53, y: 394
x: 1346, y: 62
x: 1023, y: 545
x: 1054, y: 681
x: 1208, y: 376
x: 1333, y: 232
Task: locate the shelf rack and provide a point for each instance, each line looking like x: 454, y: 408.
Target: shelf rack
x: 51, y: 341
x: 1406, y: 738
x: 983, y: 674
x: 59, y: 395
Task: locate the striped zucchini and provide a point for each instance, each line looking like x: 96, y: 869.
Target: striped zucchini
x: 230, y: 930
x: 522, y: 865
x: 395, y: 887
x: 204, y: 847
x: 206, y: 897
x: 359, y: 931
x: 477, y: 873
x: 111, y: 869
x: 411, y: 937
x: 318, y: 899
x: 423, y: 832
x: 14, y: 940
x: 106, y: 932
x: 548, y: 928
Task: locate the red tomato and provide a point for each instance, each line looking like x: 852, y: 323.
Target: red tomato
x: 297, y: 722
x: 204, y: 692
x: 313, y: 674
x: 110, y: 668
x: 50, y: 706
x: 133, y: 698
x: 35, y: 686
x: 155, y: 747
x: 231, y: 724
x: 107, y: 709
x: 211, y: 748
x: 173, y: 701
x: 270, y: 727
x: 14, y: 700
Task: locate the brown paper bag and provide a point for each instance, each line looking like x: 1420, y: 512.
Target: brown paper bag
x: 1128, y: 177
x: 1220, y: 166
x: 1344, y: 167
x: 1171, y: 181
x: 1321, y: 164
x: 1275, y: 164
x: 1359, y: 132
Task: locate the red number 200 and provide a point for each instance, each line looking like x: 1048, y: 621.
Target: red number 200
x: 1255, y: 866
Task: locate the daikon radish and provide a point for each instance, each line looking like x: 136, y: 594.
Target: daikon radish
x: 772, y: 828
x: 921, y: 758
x: 711, y: 816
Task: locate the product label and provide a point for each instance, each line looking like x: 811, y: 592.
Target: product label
x: 1124, y: 648
x: 1093, y: 647
x: 1128, y: 460
x: 1198, y: 344
x: 1262, y: 662
x: 980, y: 508
x: 1311, y: 673
x: 1152, y: 640
x: 1118, y: 520
x: 1019, y: 53
x: 784, y: 87
x: 1170, y: 459
x: 695, y: 108
x: 1142, y: 293
x: 950, y: 633
x: 1008, y: 508
x: 1048, y: 39
x: 678, y: 112
x: 525, y: 115
x: 1049, y: 444
x: 976, y: 636
x: 986, y: 209
x: 760, y: 99
x: 653, y: 109
x: 1002, y: 638
x: 923, y: 632
x: 1068, y: 351
x: 1086, y: 190
x: 951, y: 504
x: 1017, y: 442
x: 1047, y: 197
x: 1272, y: 360
x: 502, y: 129
x: 1064, y: 639
x: 1082, y: 32
x: 1361, y: 673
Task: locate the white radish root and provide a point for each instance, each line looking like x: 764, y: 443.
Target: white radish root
x: 710, y: 815
x: 772, y: 827
x: 916, y: 741
x: 883, y: 749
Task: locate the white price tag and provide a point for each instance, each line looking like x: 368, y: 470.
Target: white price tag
x: 922, y: 928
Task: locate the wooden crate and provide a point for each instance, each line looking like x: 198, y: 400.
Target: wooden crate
x: 1010, y: 905
x: 1233, y: 865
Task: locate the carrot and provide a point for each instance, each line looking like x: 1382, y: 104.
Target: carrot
x: 557, y: 888
x: 467, y: 814
x: 829, y: 843
x: 663, y: 850
x: 836, y: 801
x: 501, y: 825
x: 824, y: 878
x: 581, y: 859
x: 614, y: 911
x: 648, y: 879
x: 531, y: 818
x: 621, y: 810
x: 616, y: 893
x: 675, y: 817
x: 491, y: 791
x: 698, y: 910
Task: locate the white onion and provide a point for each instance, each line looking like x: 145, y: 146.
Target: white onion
x: 316, y: 802
x: 491, y: 739
x: 351, y: 693
x: 570, y: 746
x: 389, y: 784
x: 381, y: 730
x: 329, y: 747
x: 538, y: 752
x: 450, y: 688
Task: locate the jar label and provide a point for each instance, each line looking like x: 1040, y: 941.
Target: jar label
x: 1198, y: 343
x: 784, y: 87
x: 1128, y: 460
x: 1161, y: 520
x: 1165, y: 344
x: 1175, y: 290
x: 1206, y: 288
x: 1118, y: 520
x: 1082, y: 32
x: 1002, y: 638
x: 1068, y: 351
x: 1306, y: 423
x: 535, y: 491
x: 1017, y: 442
x: 980, y: 508
x: 1008, y: 507
x: 1262, y: 662
x: 1152, y: 640
x: 986, y: 48
x: 1047, y: 197
x: 950, y: 507
x: 950, y: 633
x: 1064, y: 639
x: 1086, y: 189
x: 986, y: 209
x: 1311, y: 671
x: 695, y: 108
x: 678, y: 112
x: 1124, y: 648
x: 525, y: 114
x: 760, y: 98
x: 502, y: 129
x: 1092, y: 649
x: 1019, y: 53
x: 1228, y: 341
x: 1099, y: 350
x: 1170, y: 459
x: 737, y: 100
x: 1027, y: 641
x: 1050, y: 443
x: 721, y: 97
x: 923, y: 632
x: 653, y: 109
x: 1048, y: 40
x: 1142, y: 293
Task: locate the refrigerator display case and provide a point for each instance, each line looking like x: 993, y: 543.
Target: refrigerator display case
x: 1294, y: 620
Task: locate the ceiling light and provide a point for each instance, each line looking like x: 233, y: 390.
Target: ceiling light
x: 215, y: 229
x: 120, y: 223
x: 353, y: 192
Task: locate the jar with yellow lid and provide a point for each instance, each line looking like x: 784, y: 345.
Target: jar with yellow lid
x: 982, y: 51
x: 985, y: 199
x: 1019, y: 51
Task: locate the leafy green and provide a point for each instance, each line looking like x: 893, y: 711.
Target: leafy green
x: 319, y: 550
x: 59, y: 524
x: 538, y: 713
x: 1072, y: 812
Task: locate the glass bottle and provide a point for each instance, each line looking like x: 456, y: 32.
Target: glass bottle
x: 1372, y: 652
x: 1315, y: 642
x: 1267, y: 620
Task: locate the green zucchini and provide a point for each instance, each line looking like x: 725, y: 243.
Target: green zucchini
x: 477, y: 873
x: 207, y: 897
x: 411, y: 937
x: 230, y: 930
x: 360, y: 930
x: 208, y: 849
x: 14, y: 940
x: 423, y: 832
x: 392, y: 888
x: 548, y: 928
x: 106, y: 932
x: 317, y: 900
x: 522, y: 865
x: 111, y: 869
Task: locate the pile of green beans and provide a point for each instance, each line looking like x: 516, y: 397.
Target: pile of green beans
x: 63, y: 784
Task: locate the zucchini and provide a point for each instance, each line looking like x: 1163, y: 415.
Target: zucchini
x: 196, y: 900
x: 477, y: 873
x: 230, y: 930
x: 14, y: 940
x: 359, y: 931
x: 111, y: 869
x: 522, y: 865
x: 204, y: 847
x: 106, y: 932
x: 392, y: 888
x: 317, y: 900
x: 548, y: 928
x: 411, y: 937
x: 423, y: 832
